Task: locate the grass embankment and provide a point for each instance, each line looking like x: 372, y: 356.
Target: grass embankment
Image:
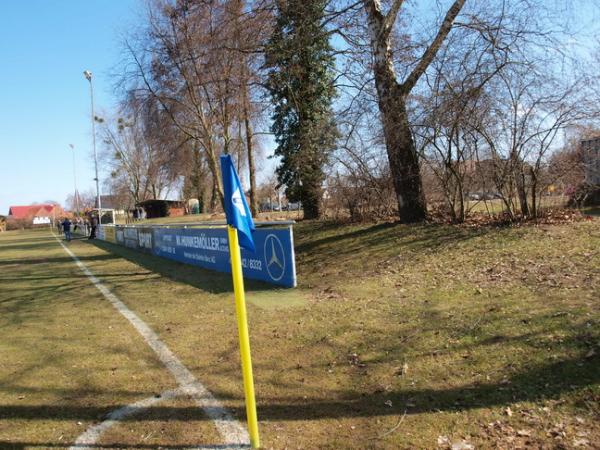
x: 192, y: 218
x: 397, y: 337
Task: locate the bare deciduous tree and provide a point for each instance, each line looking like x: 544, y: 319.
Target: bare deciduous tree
x: 392, y: 97
x: 195, y: 60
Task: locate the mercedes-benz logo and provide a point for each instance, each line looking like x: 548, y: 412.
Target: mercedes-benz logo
x: 275, y: 257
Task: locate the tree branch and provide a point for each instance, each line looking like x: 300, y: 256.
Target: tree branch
x: 390, y: 18
x: 433, y: 48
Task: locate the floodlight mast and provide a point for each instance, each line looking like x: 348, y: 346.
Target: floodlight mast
x: 88, y: 76
x: 75, y: 180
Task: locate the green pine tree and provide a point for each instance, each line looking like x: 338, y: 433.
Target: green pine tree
x: 300, y: 81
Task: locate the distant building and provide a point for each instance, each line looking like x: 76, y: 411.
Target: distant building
x: 114, y: 202
x: 590, y: 152
x: 162, y: 208
x: 35, y: 214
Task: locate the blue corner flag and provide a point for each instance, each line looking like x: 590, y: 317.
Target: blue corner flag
x: 236, y: 209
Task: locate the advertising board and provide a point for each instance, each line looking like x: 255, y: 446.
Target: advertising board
x: 41, y: 220
x: 145, y: 240
x: 119, y: 236
x: 100, y: 233
x: 130, y: 236
x: 109, y: 234
x: 208, y: 247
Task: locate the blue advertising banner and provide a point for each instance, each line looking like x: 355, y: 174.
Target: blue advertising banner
x: 272, y: 262
x: 145, y: 240
x: 130, y: 236
x: 100, y: 233
x: 119, y: 236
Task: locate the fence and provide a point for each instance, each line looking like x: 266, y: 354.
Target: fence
x: 206, y: 245
x: 81, y: 230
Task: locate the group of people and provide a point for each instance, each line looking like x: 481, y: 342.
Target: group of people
x: 90, y: 222
x: 139, y: 213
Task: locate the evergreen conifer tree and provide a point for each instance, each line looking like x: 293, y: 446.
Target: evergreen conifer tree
x: 300, y: 81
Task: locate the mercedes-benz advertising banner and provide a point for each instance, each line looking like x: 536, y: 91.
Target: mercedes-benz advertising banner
x: 272, y: 262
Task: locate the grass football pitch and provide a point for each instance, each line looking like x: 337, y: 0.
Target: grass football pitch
x: 397, y: 337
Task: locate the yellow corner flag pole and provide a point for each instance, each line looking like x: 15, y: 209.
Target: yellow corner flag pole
x: 242, y: 321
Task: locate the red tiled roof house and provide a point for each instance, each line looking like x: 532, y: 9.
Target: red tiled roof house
x: 35, y: 214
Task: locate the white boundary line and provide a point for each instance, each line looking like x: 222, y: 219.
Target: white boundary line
x: 229, y: 428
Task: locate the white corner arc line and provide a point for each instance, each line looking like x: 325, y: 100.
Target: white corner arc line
x: 93, y: 433
x: 228, y: 427
x: 90, y: 437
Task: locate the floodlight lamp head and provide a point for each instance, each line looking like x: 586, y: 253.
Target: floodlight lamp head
x: 88, y: 75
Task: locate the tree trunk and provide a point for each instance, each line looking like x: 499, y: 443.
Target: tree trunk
x: 400, y: 146
x: 198, y: 174
x: 534, y: 187
x: 521, y: 190
x: 214, y: 196
x: 200, y: 195
x: 215, y: 171
x: 461, y: 202
x: 401, y: 149
x: 311, y: 197
x: 250, y: 150
x: 238, y: 7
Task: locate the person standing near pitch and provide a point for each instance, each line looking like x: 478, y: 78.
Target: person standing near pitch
x: 66, y: 225
x: 93, y: 225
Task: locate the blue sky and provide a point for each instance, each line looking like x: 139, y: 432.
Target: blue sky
x: 45, y: 104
